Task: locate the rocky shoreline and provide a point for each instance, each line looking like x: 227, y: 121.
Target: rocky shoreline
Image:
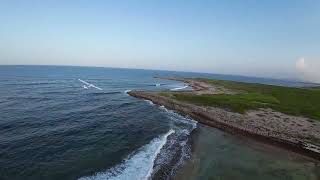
x: 263, y: 125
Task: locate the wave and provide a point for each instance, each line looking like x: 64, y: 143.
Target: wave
x: 175, y: 116
x: 137, y: 166
x: 150, y: 102
x: 126, y: 91
x: 178, y: 88
x: 172, y: 114
x: 96, y: 87
x: 163, y: 108
x: 178, y: 150
x: 88, y: 85
x: 167, y: 154
x: 85, y: 87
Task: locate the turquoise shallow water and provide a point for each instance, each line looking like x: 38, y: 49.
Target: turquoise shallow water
x: 219, y: 155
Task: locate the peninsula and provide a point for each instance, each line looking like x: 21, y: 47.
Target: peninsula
x: 284, y: 116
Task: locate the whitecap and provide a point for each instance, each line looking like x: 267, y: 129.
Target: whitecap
x: 96, y: 87
x: 88, y: 85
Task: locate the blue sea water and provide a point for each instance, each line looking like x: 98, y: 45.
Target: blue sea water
x: 59, y: 122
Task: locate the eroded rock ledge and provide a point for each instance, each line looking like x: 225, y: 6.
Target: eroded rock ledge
x: 294, y: 133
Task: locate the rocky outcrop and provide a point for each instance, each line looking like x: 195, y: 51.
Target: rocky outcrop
x: 266, y: 124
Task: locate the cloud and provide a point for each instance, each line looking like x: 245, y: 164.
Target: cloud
x: 308, y: 72
x: 301, y: 65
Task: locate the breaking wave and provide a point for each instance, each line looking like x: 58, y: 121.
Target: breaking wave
x: 161, y: 157
x: 178, y: 148
x: 126, y: 91
x: 149, y: 102
x: 136, y: 166
x: 89, y: 85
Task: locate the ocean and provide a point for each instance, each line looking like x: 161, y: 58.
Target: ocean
x: 60, y: 122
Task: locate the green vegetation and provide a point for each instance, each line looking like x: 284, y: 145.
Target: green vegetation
x: 166, y: 94
x: 239, y: 103
x: 294, y: 101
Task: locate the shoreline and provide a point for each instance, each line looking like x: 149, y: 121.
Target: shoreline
x: 214, y: 158
x: 220, y: 118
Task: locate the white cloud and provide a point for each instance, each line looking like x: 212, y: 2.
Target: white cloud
x: 308, y: 71
x: 301, y: 65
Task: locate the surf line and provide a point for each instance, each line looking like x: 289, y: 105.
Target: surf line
x: 138, y: 166
x: 88, y: 85
x: 178, y: 88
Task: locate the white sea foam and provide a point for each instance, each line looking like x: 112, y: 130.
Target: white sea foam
x: 126, y: 91
x: 95, y: 87
x: 178, y: 88
x: 88, y: 85
x: 138, y: 166
x: 150, y: 102
x: 176, y: 116
x: 183, y: 126
x: 163, y: 108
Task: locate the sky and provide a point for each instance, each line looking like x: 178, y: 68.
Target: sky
x: 264, y: 38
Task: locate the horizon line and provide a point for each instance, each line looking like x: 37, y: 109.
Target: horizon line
x: 209, y: 73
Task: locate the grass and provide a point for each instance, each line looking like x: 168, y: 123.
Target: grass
x: 239, y: 103
x: 166, y: 94
x: 293, y: 101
